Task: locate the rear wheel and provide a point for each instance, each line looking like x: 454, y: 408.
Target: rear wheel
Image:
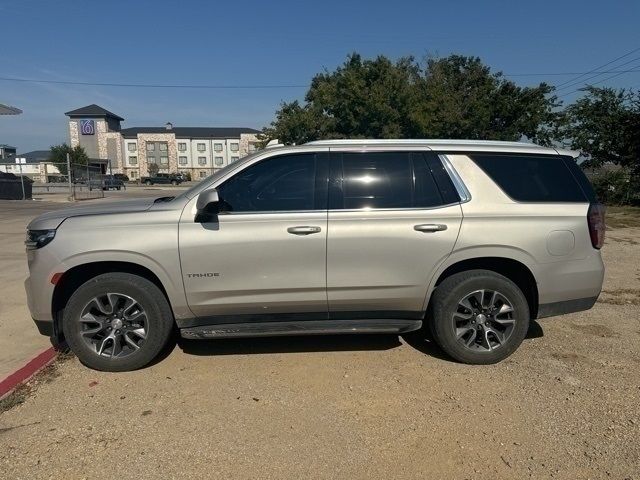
x: 174, y: 183
x: 148, y: 182
x: 117, y: 322
x: 479, y: 316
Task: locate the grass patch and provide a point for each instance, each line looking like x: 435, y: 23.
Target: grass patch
x: 20, y: 394
x: 623, y: 217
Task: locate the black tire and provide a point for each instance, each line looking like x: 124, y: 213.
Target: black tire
x: 118, y: 188
x: 148, y: 182
x: 159, y: 321
x: 445, y: 303
x: 174, y: 183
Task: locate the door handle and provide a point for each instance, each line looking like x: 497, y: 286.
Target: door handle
x: 430, y: 227
x: 303, y: 230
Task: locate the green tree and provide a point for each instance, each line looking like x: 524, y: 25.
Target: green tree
x: 153, y: 168
x: 604, y: 126
x: 58, y: 156
x: 461, y: 98
x: 453, y: 97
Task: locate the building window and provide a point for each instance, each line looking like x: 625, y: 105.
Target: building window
x: 163, y: 146
x: 133, y: 174
x: 252, y: 147
x: 217, y: 147
x: 202, y: 160
x: 182, y: 147
x: 182, y: 160
x: 131, y: 147
x: 234, y: 159
x: 151, y: 147
x: 219, y: 161
x: 164, y: 160
x: 234, y: 147
x: 203, y: 174
x: 133, y: 160
x: 202, y: 147
x: 151, y: 159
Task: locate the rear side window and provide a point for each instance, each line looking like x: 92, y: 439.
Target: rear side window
x: 375, y: 180
x: 532, y: 178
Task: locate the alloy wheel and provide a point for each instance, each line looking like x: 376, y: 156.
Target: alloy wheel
x: 113, y: 325
x: 484, y: 320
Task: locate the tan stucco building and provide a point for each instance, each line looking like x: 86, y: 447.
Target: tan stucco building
x: 197, y: 151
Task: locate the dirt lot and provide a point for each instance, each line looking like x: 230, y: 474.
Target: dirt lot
x: 565, y: 405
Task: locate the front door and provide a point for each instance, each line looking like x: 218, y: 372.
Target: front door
x: 393, y: 218
x: 264, y: 256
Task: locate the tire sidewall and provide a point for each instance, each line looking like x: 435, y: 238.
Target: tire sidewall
x: 159, y: 320
x: 454, y: 289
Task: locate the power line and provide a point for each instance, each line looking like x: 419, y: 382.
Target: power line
x: 248, y: 87
x: 595, y: 83
x: 599, y: 67
x: 549, y: 74
x: 144, y: 85
x: 574, y: 83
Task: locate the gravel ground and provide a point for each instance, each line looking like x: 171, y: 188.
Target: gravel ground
x: 565, y: 405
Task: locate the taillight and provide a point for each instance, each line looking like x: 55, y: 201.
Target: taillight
x: 595, y: 220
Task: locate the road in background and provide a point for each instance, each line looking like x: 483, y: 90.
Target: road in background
x: 19, y: 338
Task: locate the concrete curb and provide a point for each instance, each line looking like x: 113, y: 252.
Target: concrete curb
x: 23, y: 374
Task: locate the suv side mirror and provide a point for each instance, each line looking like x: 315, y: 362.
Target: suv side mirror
x: 207, y: 204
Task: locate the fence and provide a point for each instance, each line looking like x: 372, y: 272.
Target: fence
x: 80, y: 182
x: 87, y: 181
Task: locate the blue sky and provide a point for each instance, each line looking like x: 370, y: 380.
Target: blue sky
x: 272, y: 43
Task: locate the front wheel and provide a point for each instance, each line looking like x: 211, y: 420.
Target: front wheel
x: 117, y: 322
x: 479, y: 317
x: 174, y: 183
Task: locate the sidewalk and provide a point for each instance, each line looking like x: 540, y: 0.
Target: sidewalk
x: 19, y: 338
x: 20, y: 341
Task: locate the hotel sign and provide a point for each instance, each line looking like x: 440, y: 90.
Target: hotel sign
x: 87, y: 127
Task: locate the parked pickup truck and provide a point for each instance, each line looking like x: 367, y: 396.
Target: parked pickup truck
x: 166, y: 178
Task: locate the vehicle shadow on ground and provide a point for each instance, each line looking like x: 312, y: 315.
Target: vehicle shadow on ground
x: 420, y: 340
x: 292, y: 344
x: 423, y: 341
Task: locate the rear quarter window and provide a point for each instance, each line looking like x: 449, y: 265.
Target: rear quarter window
x: 532, y: 178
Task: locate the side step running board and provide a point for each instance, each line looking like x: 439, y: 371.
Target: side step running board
x: 301, y: 327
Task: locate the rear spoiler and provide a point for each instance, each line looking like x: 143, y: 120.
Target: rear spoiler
x: 567, y: 153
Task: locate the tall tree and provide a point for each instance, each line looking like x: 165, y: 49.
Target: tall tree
x: 453, y: 97
x: 461, y: 98
x: 58, y: 156
x: 605, y: 126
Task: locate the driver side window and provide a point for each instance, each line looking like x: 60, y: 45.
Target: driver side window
x: 280, y: 184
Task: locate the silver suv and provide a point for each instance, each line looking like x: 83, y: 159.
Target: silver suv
x: 468, y: 240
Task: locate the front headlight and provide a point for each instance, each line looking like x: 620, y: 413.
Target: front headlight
x: 38, y: 238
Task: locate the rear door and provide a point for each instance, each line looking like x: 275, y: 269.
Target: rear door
x: 393, y: 218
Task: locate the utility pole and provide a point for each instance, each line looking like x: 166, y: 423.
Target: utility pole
x: 24, y: 197
x: 71, y: 196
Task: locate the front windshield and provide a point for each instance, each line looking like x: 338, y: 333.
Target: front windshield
x: 191, y: 192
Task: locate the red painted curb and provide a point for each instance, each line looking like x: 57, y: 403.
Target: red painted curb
x: 25, y: 373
